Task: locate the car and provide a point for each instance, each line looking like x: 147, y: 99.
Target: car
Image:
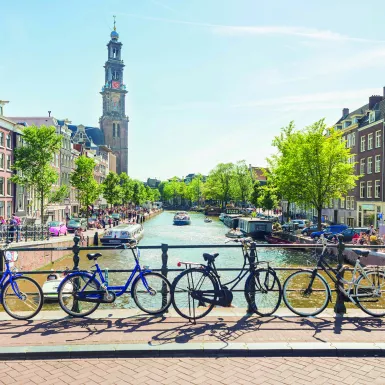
x: 330, y: 230
x: 348, y: 234
x: 92, y: 223
x: 57, y: 228
x: 310, y: 229
x: 294, y: 224
x: 76, y: 223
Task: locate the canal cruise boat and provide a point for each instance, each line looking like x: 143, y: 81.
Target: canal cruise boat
x: 257, y: 228
x: 182, y: 218
x: 122, y: 234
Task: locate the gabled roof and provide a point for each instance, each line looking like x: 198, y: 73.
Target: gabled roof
x: 37, y: 121
x: 359, y: 111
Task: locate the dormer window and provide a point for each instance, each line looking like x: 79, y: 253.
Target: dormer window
x: 372, y: 116
x: 355, y: 120
x: 338, y: 127
x: 347, y: 123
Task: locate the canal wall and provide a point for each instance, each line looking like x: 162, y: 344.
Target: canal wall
x: 374, y: 258
x: 34, y: 259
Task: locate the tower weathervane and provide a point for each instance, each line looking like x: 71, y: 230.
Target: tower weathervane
x: 114, y: 22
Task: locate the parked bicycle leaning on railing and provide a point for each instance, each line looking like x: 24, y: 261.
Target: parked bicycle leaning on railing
x: 199, y: 288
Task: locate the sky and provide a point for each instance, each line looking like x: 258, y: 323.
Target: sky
x: 209, y: 81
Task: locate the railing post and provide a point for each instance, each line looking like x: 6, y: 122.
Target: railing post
x: 164, y: 271
x: 340, y: 307
x: 76, y: 259
x: 34, y: 232
x: 250, y: 309
x: 96, y: 239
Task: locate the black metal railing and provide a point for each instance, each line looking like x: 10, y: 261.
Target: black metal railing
x: 23, y: 233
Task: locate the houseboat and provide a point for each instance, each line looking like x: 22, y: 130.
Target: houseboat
x: 212, y: 211
x: 222, y: 216
x: 122, y: 234
x: 231, y: 217
x: 182, y: 218
x: 257, y: 228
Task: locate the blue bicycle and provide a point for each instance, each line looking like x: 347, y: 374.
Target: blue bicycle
x: 21, y: 297
x: 81, y: 292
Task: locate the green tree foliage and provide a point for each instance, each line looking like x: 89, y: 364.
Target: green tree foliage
x: 268, y: 199
x: 256, y: 193
x: 220, y: 183
x: 139, y: 193
x: 127, y: 187
x: 311, y: 166
x: 149, y: 194
x: 195, y: 189
x: 33, y: 164
x: 243, y: 182
x: 111, y: 188
x: 82, y: 178
x: 155, y: 194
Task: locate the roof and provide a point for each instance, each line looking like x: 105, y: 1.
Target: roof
x: 37, y: 121
x: 95, y: 133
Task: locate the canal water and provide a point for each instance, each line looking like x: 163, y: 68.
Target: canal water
x: 160, y: 230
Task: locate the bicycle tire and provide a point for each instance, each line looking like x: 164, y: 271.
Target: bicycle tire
x: 19, y: 302
x: 256, y: 291
x: 295, y: 297
x: 361, y: 302
x: 68, y: 288
x: 158, y: 287
x: 179, y: 291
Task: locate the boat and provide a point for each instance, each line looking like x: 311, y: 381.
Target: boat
x: 257, y: 228
x: 208, y: 220
x: 212, y: 211
x: 51, y: 285
x: 277, y: 241
x: 222, y: 216
x: 182, y: 218
x: 122, y: 234
x: 231, y: 220
x: 235, y: 233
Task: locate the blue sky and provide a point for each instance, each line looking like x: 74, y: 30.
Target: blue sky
x: 209, y: 81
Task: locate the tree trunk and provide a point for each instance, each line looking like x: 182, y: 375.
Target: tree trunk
x: 288, y: 211
x: 42, y: 213
x: 319, y: 217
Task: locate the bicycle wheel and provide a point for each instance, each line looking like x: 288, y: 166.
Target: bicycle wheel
x: 157, y: 298
x: 263, y: 291
x: 73, y: 284
x: 30, y: 301
x: 305, y: 299
x: 370, y: 292
x: 189, y: 281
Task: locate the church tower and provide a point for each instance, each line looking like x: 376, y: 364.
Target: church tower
x: 114, y: 122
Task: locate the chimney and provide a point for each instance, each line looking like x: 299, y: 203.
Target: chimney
x: 373, y: 100
x: 383, y: 92
x: 345, y: 111
x: 49, y: 113
x: 2, y: 104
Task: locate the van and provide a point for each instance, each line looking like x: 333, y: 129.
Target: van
x: 332, y: 229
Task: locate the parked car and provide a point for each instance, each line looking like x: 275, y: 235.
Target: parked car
x: 92, y: 223
x: 57, y: 228
x: 310, y: 229
x: 76, y: 223
x: 330, y: 230
x: 294, y: 224
x: 349, y: 233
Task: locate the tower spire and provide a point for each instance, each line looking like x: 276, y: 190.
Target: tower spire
x: 114, y: 22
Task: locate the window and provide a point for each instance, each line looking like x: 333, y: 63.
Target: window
x: 9, y: 209
x: 377, y: 166
x: 353, y: 139
x: 347, y: 123
x: 370, y: 141
x: 362, y: 189
x: 113, y: 130
x: 342, y: 203
x: 369, y: 189
x: 349, y: 141
x: 1, y: 138
x: 351, y: 203
x: 362, y: 166
x: 9, y: 163
x: 378, y: 138
x: 1, y: 186
x: 9, y: 187
x: 355, y: 120
x: 377, y: 189
x: 9, y: 141
x: 362, y: 143
x: 370, y: 161
x: 372, y: 117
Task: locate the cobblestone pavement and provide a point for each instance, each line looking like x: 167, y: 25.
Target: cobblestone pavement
x: 239, y: 370
x: 158, y: 331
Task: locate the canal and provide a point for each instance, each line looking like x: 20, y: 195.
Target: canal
x: 161, y: 230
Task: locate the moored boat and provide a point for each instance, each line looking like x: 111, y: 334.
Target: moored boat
x: 122, y: 234
x: 222, y: 216
x: 257, y: 228
x: 182, y: 218
x: 235, y: 233
x: 277, y: 241
x: 51, y: 285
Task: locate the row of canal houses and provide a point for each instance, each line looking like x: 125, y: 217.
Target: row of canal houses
x: 76, y: 140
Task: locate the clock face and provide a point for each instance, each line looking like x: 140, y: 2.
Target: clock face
x: 115, y: 84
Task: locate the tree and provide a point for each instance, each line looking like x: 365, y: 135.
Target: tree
x: 149, y: 194
x: 127, y: 186
x: 312, y: 166
x: 83, y: 180
x: 139, y: 193
x: 111, y: 188
x: 243, y: 182
x: 220, y: 183
x: 268, y: 199
x: 256, y: 193
x: 195, y: 189
x: 33, y: 165
x: 156, y: 194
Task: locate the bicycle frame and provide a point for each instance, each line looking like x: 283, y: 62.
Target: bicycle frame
x: 10, y: 275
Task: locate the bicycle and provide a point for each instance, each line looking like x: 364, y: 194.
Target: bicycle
x: 198, y: 289
x: 307, y: 293
x: 21, y: 297
x: 81, y: 292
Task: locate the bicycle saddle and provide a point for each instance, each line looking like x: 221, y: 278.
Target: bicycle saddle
x: 361, y: 252
x: 209, y: 257
x: 93, y: 256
